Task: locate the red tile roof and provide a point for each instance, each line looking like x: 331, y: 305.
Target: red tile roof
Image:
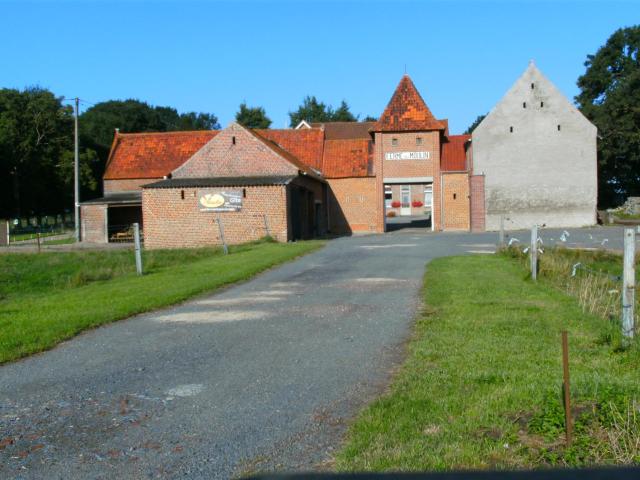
x: 454, y: 154
x: 306, y: 144
x: 407, y: 111
x: 347, y: 158
x: 345, y: 130
x: 152, y: 155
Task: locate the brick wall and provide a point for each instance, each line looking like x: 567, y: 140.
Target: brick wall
x: 353, y: 205
x: 248, y: 156
x: 171, y: 222
x: 93, y: 223
x: 456, y: 201
x: 476, y: 184
x: 407, y: 143
x: 126, y: 185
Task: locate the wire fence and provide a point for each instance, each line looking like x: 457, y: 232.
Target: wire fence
x: 31, y: 230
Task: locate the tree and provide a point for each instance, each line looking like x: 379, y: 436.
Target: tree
x: 313, y: 111
x: 36, y: 135
x: 475, y: 123
x: 610, y: 98
x: 370, y: 118
x: 252, y: 117
x: 98, y: 123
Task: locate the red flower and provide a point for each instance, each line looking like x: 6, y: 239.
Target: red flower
x: 417, y: 203
x: 395, y: 204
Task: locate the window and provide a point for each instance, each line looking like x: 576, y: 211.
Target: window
x: 394, y: 142
x: 532, y: 85
x: 428, y: 196
x: 511, y: 129
x: 455, y: 195
x: 182, y: 194
x: 388, y: 196
x: 233, y: 140
x: 418, y: 140
x: 558, y: 127
x: 542, y: 104
x: 524, y: 104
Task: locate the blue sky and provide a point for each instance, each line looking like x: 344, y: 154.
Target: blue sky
x: 211, y: 56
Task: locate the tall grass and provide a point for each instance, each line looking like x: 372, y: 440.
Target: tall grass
x: 593, y: 278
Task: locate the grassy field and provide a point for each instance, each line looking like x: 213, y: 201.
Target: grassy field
x: 49, y: 297
x: 481, y: 386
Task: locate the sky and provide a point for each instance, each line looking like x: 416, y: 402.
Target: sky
x: 211, y: 56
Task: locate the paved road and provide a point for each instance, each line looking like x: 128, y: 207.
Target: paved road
x: 260, y: 376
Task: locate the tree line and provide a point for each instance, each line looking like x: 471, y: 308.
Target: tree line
x: 37, y: 142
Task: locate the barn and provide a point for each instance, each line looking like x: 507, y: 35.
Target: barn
x: 532, y: 160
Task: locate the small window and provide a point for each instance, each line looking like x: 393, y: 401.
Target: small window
x: 244, y: 193
x: 388, y: 196
x: 542, y: 104
x: 418, y: 140
x: 455, y: 195
x: 532, y: 86
x: 511, y: 129
x: 233, y: 140
x: 524, y: 104
x: 394, y: 142
x: 182, y: 194
x: 558, y: 127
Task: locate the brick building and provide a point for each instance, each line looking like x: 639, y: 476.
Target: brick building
x: 338, y: 177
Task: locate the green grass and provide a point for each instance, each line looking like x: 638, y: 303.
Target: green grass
x: 31, y: 236
x: 627, y: 216
x: 49, y: 297
x: 481, y: 385
x: 60, y: 241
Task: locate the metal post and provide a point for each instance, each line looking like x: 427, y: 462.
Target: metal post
x: 501, y: 234
x: 221, y: 228
x: 266, y: 225
x: 76, y: 175
x: 567, y: 398
x: 136, y: 241
x: 533, y: 252
x: 629, y: 284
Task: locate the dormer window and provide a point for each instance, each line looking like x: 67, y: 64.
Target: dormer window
x: 394, y: 142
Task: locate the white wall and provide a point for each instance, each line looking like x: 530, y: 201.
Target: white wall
x: 537, y: 174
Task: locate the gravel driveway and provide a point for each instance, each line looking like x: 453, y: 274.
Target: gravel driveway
x: 260, y: 376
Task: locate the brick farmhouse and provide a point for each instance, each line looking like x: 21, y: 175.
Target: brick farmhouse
x: 190, y: 188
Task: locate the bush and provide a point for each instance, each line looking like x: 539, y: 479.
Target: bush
x: 391, y: 213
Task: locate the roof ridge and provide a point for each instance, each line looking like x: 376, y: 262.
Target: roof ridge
x: 172, y: 132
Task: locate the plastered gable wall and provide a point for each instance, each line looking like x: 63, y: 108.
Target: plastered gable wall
x: 249, y: 156
x: 537, y: 174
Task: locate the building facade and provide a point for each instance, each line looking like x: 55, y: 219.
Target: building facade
x: 531, y: 160
x: 536, y: 154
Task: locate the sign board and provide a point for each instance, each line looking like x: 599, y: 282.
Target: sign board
x: 407, y: 156
x: 220, y: 200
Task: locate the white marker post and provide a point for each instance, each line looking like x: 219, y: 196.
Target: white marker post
x: 501, y: 234
x: 629, y: 284
x: 533, y: 252
x: 136, y: 241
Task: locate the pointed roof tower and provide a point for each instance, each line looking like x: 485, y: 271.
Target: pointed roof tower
x: 406, y: 111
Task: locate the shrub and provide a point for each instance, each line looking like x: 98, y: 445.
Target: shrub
x: 391, y: 213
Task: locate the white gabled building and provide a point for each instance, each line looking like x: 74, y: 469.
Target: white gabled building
x: 536, y: 155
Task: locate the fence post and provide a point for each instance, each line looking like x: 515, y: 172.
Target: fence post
x: 38, y: 240
x: 628, y: 284
x: 567, y: 398
x: 266, y: 225
x: 533, y: 252
x: 501, y: 234
x: 136, y: 241
x: 4, y: 233
x: 221, y: 228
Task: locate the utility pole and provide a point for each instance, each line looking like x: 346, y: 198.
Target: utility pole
x: 76, y: 175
